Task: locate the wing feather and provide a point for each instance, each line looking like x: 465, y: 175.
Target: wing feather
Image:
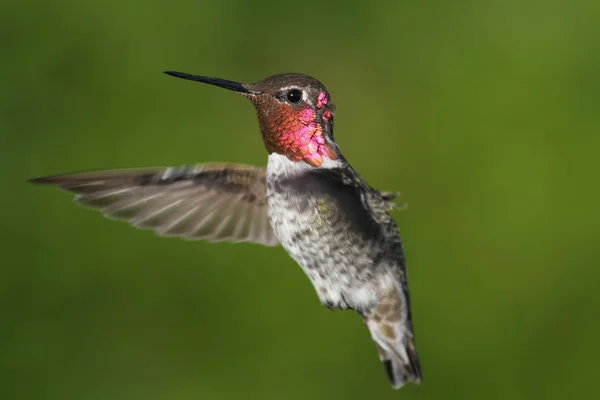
x: 213, y: 202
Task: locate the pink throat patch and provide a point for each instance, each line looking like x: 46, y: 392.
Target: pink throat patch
x: 321, y: 100
x: 298, y: 136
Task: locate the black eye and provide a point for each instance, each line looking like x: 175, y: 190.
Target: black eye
x: 294, y: 95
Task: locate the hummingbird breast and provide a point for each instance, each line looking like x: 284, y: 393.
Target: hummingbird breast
x: 319, y: 218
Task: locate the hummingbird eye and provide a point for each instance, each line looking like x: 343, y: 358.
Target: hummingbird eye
x: 294, y: 95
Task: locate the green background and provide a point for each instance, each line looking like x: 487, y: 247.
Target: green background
x: 484, y: 114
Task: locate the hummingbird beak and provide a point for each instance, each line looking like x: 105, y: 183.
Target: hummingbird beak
x: 235, y: 86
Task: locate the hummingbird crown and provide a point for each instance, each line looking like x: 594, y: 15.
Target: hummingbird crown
x: 294, y: 111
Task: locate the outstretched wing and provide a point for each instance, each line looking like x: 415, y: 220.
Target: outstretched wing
x: 215, y: 202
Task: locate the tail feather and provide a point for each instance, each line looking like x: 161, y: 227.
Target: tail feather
x: 397, y: 353
x: 391, y: 329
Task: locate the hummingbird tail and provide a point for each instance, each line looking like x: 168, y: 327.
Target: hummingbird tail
x: 397, y: 352
x: 391, y: 328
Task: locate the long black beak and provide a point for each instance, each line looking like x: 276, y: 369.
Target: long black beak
x: 235, y: 86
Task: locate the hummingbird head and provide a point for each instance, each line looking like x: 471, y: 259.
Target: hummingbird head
x: 295, y: 114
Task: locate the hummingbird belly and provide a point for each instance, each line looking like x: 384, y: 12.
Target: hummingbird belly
x: 329, y: 234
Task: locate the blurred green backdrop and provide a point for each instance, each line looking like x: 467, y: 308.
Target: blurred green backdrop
x: 485, y: 114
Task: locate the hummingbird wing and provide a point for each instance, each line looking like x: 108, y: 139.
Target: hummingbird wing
x: 215, y: 202
x: 389, y: 199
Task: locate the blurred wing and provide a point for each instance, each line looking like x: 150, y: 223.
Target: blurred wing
x: 389, y: 200
x: 215, y: 202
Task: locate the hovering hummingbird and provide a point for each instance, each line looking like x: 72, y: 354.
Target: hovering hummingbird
x: 308, y: 199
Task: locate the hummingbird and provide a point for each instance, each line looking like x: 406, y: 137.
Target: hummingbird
x: 308, y: 199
